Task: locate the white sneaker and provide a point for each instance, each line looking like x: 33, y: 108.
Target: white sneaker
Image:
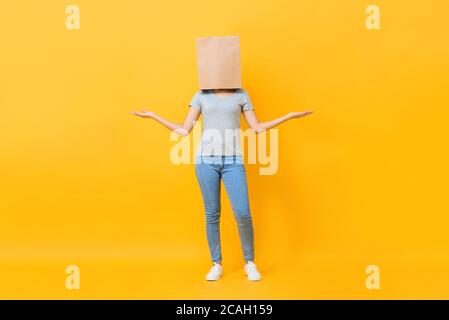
x: 251, y: 272
x: 215, y: 272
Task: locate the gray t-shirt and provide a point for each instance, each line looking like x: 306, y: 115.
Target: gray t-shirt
x: 220, y: 121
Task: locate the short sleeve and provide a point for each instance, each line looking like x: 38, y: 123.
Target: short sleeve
x: 246, y: 102
x: 195, y: 102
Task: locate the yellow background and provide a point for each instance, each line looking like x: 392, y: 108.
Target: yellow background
x: 362, y: 181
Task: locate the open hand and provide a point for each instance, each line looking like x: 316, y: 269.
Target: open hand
x: 300, y: 114
x: 143, y: 113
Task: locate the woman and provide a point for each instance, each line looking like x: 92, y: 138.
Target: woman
x: 219, y: 158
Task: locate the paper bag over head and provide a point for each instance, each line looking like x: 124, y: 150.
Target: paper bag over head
x: 219, y: 62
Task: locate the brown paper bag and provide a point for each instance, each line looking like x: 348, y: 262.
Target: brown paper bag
x: 219, y: 62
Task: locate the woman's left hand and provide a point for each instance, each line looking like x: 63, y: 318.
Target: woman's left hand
x: 294, y: 115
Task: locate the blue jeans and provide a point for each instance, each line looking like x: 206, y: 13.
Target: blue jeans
x: 210, y: 170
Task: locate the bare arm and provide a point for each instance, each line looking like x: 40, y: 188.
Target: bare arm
x: 181, y: 129
x: 257, y: 126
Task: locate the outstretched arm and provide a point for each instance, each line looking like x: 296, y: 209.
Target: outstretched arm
x: 181, y: 129
x: 257, y: 126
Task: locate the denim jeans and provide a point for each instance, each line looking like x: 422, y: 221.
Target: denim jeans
x: 210, y: 170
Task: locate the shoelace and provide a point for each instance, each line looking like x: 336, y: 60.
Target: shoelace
x: 215, y: 268
x: 251, y: 268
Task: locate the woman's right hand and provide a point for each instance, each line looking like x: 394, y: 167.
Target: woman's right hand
x: 143, y: 114
x: 182, y: 129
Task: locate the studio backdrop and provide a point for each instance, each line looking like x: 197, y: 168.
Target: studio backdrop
x: 92, y: 204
